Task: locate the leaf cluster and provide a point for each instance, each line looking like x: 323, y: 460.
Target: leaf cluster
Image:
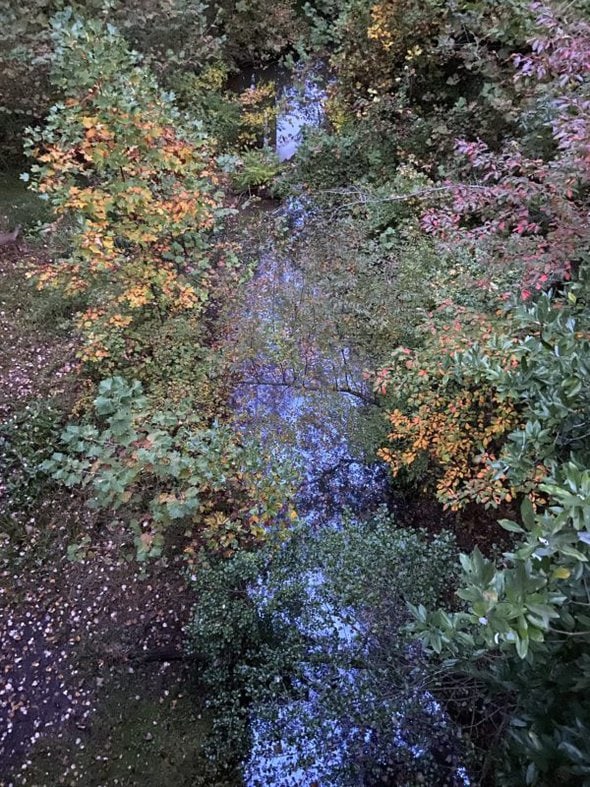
x: 166, y: 468
x: 26, y: 440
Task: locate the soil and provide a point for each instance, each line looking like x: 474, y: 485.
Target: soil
x: 94, y: 689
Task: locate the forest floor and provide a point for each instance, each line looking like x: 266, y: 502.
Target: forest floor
x: 93, y: 688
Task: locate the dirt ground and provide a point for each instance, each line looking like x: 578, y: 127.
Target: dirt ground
x: 91, y: 647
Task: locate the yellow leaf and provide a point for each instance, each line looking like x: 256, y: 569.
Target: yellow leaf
x: 561, y: 573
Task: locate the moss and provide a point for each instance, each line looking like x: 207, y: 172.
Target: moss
x: 147, y: 730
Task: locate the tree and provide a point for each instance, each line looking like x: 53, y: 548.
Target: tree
x: 136, y: 182
x: 533, y: 210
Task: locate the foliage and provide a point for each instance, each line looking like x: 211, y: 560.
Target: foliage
x: 487, y: 405
x: 548, y: 341
x: 182, y: 369
x: 185, y: 43
x: 176, y: 38
x: 25, y: 91
x: 204, y: 95
x: 296, y: 621
x: 258, y: 30
x: 237, y: 119
x: 255, y: 170
x: 531, y: 607
x: 27, y: 438
x: 533, y: 208
x: 180, y: 36
x: 139, y: 184
x: 167, y: 468
x: 228, y: 636
x: 421, y: 72
x: 328, y: 161
x: 448, y: 421
x: 258, y: 104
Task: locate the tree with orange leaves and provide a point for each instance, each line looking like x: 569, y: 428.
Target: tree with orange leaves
x: 447, y: 422
x: 136, y: 182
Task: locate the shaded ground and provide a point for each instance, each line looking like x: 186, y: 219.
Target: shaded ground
x: 90, y: 669
x: 144, y: 733
x: 35, y: 361
x: 68, y: 628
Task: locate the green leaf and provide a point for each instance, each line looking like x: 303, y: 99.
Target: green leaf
x: 522, y: 645
x: 511, y: 526
x: 527, y: 513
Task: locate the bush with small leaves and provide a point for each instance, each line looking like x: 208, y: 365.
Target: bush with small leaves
x: 448, y: 423
x: 27, y: 438
x: 304, y: 643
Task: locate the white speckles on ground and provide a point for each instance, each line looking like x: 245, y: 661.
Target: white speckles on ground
x: 64, y: 625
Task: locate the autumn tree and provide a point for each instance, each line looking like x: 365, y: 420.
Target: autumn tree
x: 136, y: 183
x: 531, y: 207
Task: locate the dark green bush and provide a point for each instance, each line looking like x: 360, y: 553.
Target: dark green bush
x: 323, y: 617
x: 27, y: 439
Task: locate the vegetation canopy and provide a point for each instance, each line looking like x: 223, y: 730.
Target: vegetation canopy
x: 300, y: 444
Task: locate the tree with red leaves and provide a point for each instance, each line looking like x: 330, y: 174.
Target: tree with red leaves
x: 517, y: 206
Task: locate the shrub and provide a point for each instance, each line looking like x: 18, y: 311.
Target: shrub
x: 304, y: 647
x: 259, y: 30
x: 255, y: 170
x: 448, y: 422
x: 27, y: 438
x: 418, y: 73
x: 526, y: 207
x: 169, y: 467
x: 526, y: 627
x: 139, y: 184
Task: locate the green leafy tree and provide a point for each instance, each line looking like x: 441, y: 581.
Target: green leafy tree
x: 176, y: 37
